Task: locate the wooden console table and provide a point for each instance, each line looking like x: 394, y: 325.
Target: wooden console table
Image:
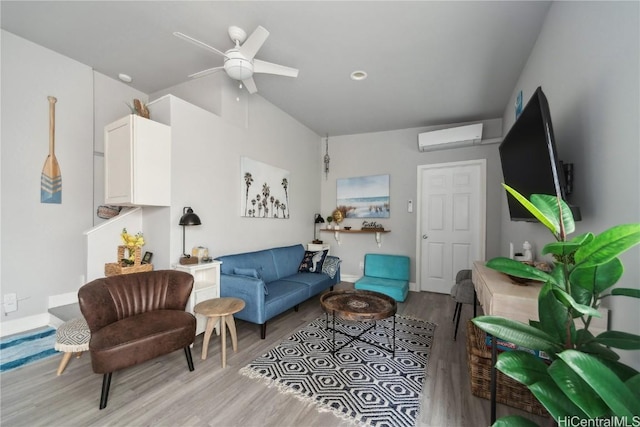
x: 500, y: 296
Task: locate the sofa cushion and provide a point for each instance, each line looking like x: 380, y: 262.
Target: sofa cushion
x: 257, y: 260
x: 282, y: 296
x: 251, y: 272
x: 387, y: 266
x: 315, y: 283
x: 396, y: 289
x: 312, y: 261
x: 287, y: 259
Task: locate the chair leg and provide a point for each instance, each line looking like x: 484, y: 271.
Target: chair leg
x: 263, y: 330
x: 106, y: 383
x: 455, y: 311
x: 455, y: 333
x: 187, y: 353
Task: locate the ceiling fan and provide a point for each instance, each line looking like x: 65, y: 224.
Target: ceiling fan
x: 239, y: 62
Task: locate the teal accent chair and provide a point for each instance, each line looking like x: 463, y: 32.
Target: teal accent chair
x: 387, y: 274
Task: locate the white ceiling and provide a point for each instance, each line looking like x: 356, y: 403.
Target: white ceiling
x: 429, y: 62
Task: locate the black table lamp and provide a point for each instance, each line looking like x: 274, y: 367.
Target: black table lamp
x: 318, y: 220
x: 188, y: 219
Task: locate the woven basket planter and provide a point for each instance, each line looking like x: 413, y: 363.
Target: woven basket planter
x: 115, y: 268
x: 508, y: 391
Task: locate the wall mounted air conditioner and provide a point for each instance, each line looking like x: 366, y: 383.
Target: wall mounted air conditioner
x: 441, y: 139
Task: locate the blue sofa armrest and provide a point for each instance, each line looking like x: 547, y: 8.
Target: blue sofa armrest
x: 248, y: 289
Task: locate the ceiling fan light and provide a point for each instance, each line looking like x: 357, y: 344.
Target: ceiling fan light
x: 358, y: 75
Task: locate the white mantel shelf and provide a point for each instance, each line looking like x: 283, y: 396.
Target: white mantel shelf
x: 377, y: 231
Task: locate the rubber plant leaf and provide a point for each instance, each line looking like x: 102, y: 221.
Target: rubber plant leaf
x: 554, y: 400
x: 518, y: 333
x: 576, y: 389
x: 604, y: 382
x: 548, y: 205
x: 552, y: 314
x: 619, y: 339
x: 547, y: 222
x: 522, y: 366
x: 628, y: 292
x: 514, y: 421
x: 599, y: 278
x: 518, y: 269
x: 565, y: 248
x: 568, y: 301
x: 608, y: 245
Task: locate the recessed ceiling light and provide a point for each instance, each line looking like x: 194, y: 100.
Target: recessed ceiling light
x: 125, y: 78
x: 359, y: 75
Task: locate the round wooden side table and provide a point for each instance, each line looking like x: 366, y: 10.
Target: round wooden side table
x: 223, y: 309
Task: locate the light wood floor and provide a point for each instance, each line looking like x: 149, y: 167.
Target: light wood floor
x: 163, y: 392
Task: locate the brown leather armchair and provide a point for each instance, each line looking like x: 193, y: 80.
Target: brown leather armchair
x: 136, y: 317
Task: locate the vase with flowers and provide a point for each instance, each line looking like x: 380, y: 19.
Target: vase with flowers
x: 133, y: 244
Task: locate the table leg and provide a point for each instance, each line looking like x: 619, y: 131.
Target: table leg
x: 211, y: 321
x: 224, y: 341
x: 494, y: 378
x: 231, y: 324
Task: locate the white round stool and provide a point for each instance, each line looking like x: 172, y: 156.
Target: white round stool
x: 72, y: 337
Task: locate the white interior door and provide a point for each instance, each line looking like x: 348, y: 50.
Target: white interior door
x: 451, y: 221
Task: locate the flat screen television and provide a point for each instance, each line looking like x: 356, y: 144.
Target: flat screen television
x: 529, y: 159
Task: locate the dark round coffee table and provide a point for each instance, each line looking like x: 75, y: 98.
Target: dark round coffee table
x: 361, y: 306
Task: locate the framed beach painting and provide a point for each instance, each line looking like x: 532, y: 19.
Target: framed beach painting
x: 264, y: 190
x: 364, y: 197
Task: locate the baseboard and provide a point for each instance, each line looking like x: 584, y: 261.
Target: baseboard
x: 349, y: 278
x: 63, y: 299
x: 24, y: 324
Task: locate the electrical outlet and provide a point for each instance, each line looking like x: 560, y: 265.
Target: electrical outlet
x: 10, y: 303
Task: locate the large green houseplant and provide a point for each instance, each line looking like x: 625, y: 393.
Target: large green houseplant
x: 585, y: 379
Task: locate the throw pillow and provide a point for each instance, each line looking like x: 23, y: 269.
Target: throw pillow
x: 251, y: 272
x: 330, y: 266
x: 312, y: 261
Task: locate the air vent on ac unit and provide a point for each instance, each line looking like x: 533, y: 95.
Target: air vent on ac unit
x: 450, y: 138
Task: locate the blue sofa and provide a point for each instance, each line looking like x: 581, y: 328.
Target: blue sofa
x: 269, y: 281
x: 387, y: 274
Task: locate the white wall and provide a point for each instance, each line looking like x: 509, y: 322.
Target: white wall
x: 42, y: 244
x: 587, y: 60
x: 396, y: 153
x: 43, y: 247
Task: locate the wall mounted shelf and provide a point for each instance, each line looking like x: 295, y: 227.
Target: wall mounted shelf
x: 378, y: 233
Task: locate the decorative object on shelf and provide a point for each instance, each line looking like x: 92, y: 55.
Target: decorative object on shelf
x: 51, y: 177
x: 327, y: 159
x: 527, y: 255
x: 317, y: 220
x: 133, y: 244
x: 200, y: 252
x: 271, y: 199
x: 139, y: 108
x: 188, y: 219
x: 347, y: 228
x: 108, y: 212
x: 338, y: 217
x: 146, y: 259
x: 329, y: 221
x: 364, y: 197
x: 367, y: 225
x: 120, y: 267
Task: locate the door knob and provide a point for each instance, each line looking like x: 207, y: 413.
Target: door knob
x: 425, y: 237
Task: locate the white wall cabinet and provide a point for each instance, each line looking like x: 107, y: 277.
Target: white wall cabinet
x: 206, y: 285
x: 137, y: 157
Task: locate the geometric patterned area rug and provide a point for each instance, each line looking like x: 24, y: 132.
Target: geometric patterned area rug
x: 361, y: 382
x: 18, y: 350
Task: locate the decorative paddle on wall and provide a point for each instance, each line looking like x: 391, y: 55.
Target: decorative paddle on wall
x: 51, y: 178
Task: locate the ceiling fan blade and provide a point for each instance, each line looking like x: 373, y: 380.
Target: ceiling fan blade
x: 199, y: 43
x: 250, y: 85
x: 205, y: 72
x: 255, y: 41
x: 270, y: 68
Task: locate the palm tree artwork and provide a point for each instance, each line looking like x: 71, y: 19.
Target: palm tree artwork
x: 271, y: 200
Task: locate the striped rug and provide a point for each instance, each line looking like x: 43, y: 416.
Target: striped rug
x: 18, y: 350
